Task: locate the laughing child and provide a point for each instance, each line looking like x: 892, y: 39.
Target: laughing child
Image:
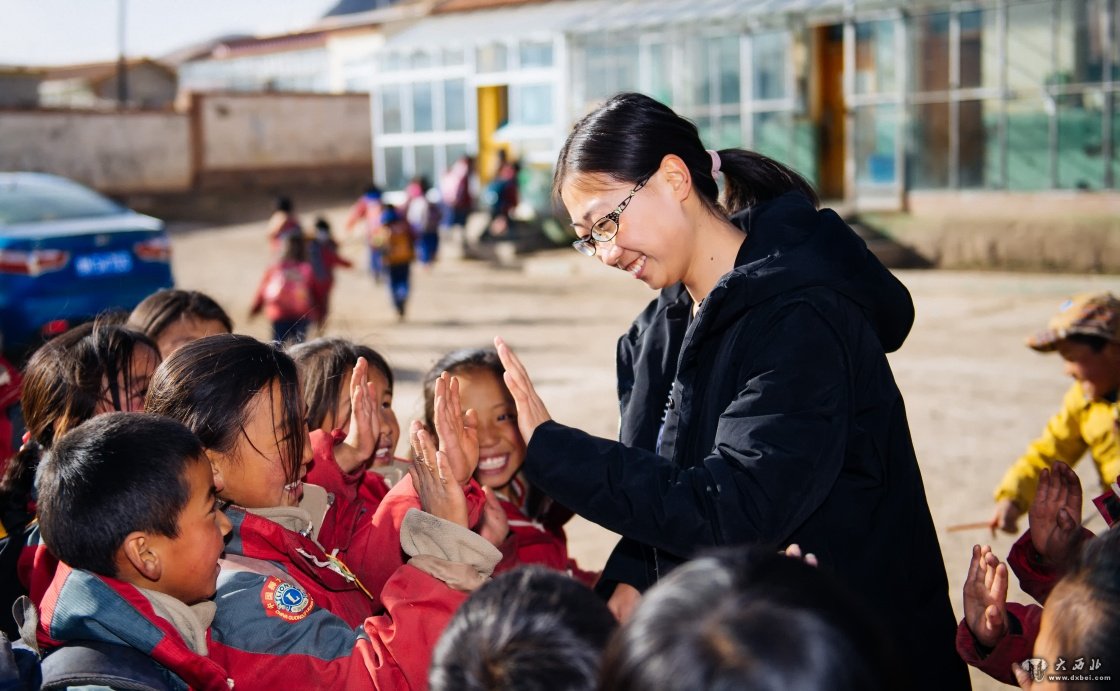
x: 131, y: 600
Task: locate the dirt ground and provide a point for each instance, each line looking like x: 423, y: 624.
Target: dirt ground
x: 975, y: 394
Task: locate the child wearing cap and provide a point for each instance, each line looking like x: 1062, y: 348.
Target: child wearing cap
x: 1086, y: 333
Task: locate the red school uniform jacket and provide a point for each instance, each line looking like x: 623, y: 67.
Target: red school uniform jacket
x: 361, y: 485
x: 534, y: 542
x: 382, y: 544
x: 271, y: 634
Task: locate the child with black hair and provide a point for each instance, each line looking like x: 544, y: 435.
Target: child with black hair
x: 93, y: 368
x: 365, y: 467
x: 307, y: 567
x: 131, y: 600
x: 172, y: 317
x: 530, y: 628
x: 750, y: 619
x: 528, y: 524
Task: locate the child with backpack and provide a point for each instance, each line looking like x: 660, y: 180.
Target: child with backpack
x: 397, y: 255
x: 322, y: 253
x: 424, y: 217
x: 287, y: 293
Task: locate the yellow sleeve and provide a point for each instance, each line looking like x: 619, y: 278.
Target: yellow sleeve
x: 1060, y: 441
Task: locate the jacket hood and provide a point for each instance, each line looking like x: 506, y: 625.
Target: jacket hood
x: 791, y: 245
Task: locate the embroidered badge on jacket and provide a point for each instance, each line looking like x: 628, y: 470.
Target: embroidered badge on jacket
x: 284, y: 600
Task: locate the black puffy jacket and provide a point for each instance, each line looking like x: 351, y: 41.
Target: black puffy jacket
x: 772, y: 417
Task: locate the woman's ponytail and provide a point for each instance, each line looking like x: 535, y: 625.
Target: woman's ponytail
x: 751, y: 178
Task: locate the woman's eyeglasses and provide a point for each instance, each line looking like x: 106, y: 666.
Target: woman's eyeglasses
x: 606, y: 227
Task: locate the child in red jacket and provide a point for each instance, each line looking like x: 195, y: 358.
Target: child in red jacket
x: 365, y: 467
x: 535, y: 522
x: 286, y: 293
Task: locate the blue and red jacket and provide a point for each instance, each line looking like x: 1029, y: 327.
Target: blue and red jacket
x: 81, y: 606
x: 324, y: 577
x: 270, y: 633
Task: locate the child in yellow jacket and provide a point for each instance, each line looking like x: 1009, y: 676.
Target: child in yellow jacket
x: 1086, y: 333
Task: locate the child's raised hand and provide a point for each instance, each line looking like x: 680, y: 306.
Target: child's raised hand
x: 431, y: 475
x: 365, y: 427
x: 457, y: 431
x: 531, y: 412
x: 985, y: 597
x: 495, y: 523
x: 1055, y: 515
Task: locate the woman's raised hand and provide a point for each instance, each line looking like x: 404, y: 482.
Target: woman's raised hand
x: 530, y: 408
x: 431, y: 474
x: 365, y: 426
x: 457, y: 431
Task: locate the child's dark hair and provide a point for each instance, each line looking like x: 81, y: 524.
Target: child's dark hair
x: 284, y: 203
x: 529, y: 629
x: 748, y: 619
x: 208, y: 386
x: 322, y: 224
x: 462, y: 360
x: 626, y: 138
x: 110, y: 476
x: 1089, y: 598
x: 324, y: 366
x: 295, y: 248
x: 63, y: 384
x: 1095, y: 343
x: 165, y: 307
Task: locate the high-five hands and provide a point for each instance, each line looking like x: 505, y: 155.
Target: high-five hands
x: 985, y: 597
x: 1055, y: 515
x: 530, y: 408
x: 365, y: 425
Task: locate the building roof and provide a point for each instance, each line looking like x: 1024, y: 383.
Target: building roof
x: 99, y: 71
x: 450, y: 6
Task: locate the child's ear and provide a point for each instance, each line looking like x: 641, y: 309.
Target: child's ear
x: 141, y: 553
x: 216, y: 469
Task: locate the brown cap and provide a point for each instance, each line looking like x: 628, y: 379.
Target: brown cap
x: 1088, y: 314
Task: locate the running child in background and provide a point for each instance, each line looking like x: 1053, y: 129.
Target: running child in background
x: 399, y: 250
x: 173, y: 318
x: 322, y: 254
x: 424, y: 217
x: 367, y: 211
x: 535, y: 522
x: 282, y: 223
x: 1086, y: 333
x: 331, y: 371
x: 286, y: 293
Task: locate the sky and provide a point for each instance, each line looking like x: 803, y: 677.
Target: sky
x: 58, y: 32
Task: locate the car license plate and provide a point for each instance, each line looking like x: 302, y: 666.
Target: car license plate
x: 104, y: 263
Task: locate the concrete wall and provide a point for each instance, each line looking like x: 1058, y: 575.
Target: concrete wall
x: 113, y: 152
x: 277, y: 131
x: 275, y: 142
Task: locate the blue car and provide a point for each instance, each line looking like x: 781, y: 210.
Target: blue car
x: 67, y: 253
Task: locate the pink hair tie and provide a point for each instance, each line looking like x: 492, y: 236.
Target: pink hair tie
x: 715, y: 161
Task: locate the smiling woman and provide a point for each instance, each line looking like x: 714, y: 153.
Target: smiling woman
x: 756, y: 398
